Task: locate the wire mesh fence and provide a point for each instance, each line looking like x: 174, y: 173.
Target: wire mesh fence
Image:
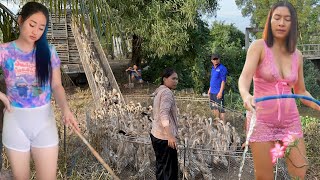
x: 132, y: 157
x: 197, y: 106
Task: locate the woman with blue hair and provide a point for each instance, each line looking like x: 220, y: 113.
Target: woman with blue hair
x: 31, y: 69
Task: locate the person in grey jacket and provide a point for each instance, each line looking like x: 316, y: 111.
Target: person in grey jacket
x: 164, y: 130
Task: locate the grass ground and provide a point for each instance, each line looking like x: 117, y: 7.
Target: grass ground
x: 75, y: 159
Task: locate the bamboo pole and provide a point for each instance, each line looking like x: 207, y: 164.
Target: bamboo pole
x: 96, y: 154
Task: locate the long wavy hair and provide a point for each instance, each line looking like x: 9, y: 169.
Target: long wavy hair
x: 43, y: 54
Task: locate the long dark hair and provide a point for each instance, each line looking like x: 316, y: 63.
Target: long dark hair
x: 43, y: 54
x: 167, y: 73
x: 291, y: 40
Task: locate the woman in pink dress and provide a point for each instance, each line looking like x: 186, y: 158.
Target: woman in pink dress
x: 276, y: 67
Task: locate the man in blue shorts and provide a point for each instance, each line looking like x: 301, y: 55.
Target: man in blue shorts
x: 217, y: 84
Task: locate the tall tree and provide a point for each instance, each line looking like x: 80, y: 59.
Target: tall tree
x: 190, y: 64
x: 228, y: 41
x: 158, y: 26
x: 307, y: 10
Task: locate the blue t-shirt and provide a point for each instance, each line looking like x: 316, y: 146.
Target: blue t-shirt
x: 218, y: 75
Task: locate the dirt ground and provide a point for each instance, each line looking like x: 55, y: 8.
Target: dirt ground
x: 75, y: 159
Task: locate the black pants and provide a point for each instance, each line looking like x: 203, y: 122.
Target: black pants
x: 166, y: 159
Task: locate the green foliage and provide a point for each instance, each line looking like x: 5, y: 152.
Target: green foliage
x: 8, y: 25
x: 311, y: 129
x: 189, y: 65
x: 157, y: 65
x: 163, y: 25
x: 233, y: 100
x: 228, y: 42
x: 306, y: 121
x: 197, y: 74
x: 307, y: 10
x: 310, y: 74
x: 225, y: 35
x: 172, y: 34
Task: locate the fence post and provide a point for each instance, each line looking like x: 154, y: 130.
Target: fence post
x: 184, y: 156
x: 229, y: 163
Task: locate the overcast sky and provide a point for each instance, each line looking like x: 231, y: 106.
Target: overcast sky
x: 230, y: 14
x: 10, y: 5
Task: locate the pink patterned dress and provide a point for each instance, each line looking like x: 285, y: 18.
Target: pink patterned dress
x: 275, y: 118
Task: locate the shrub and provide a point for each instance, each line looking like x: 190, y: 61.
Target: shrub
x: 310, y: 75
x: 311, y: 129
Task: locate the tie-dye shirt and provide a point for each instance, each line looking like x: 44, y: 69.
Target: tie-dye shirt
x: 19, y: 70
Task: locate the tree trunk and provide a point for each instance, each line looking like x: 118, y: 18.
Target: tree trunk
x: 136, y: 50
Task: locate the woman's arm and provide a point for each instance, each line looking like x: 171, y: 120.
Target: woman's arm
x: 166, y: 102
x: 60, y: 97
x: 128, y: 69
x: 300, y: 88
x: 254, y: 55
x: 5, y: 101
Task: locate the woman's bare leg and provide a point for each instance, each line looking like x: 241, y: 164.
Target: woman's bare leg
x: 262, y: 159
x: 297, y: 162
x: 45, y: 160
x: 20, y: 164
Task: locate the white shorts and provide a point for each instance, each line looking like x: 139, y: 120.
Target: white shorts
x: 24, y: 128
